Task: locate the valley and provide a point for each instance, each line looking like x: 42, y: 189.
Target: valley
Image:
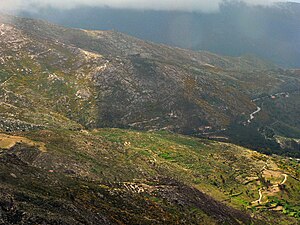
x: 97, y: 127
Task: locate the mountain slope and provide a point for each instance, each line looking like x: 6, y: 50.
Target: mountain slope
x: 118, y: 176
x: 58, y: 88
x: 54, y: 76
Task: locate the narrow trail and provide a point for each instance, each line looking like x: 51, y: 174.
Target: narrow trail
x: 259, y: 200
x: 284, y: 180
x: 274, y: 187
x: 260, y: 196
x: 277, y: 95
x: 252, y: 115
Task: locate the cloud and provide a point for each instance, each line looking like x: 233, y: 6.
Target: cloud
x: 182, y: 5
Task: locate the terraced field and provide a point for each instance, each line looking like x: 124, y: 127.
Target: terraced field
x: 162, y: 170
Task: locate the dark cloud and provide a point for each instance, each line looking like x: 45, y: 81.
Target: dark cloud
x: 182, y: 5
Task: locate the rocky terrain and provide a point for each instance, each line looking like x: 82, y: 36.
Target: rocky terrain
x: 60, y: 88
x: 91, y: 79
x: 112, y: 176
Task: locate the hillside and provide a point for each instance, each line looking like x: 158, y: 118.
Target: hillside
x: 124, y: 177
x: 62, y: 93
x: 58, y: 77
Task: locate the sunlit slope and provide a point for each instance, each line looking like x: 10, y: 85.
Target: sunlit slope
x: 120, y: 176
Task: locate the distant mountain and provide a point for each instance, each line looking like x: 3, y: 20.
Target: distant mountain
x: 272, y: 33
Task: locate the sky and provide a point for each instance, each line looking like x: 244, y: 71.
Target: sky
x: 181, y: 5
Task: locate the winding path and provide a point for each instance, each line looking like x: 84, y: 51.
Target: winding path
x: 284, y: 180
x: 275, y: 185
x: 260, y: 195
x: 252, y: 115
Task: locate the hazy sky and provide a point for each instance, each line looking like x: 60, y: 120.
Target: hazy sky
x: 183, y: 5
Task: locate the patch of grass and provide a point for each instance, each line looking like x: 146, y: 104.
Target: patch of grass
x: 8, y: 141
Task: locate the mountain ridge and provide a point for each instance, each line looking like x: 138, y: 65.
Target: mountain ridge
x: 236, y: 29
